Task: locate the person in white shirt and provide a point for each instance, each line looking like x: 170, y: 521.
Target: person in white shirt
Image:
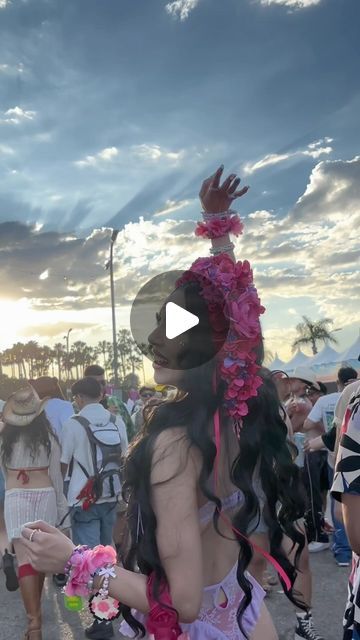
x: 317, y: 475
x: 91, y: 526
x: 57, y: 409
x: 92, y: 440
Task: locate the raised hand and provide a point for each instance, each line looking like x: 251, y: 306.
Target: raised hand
x: 48, y: 549
x: 218, y: 198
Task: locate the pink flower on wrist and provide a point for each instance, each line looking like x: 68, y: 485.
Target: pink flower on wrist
x: 218, y: 227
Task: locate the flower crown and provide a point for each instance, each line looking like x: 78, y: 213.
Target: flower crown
x: 232, y: 300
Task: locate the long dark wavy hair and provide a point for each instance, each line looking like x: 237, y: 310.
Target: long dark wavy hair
x: 34, y: 435
x: 263, y: 449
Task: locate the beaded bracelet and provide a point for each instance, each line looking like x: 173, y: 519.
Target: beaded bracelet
x: 81, y: 569
x: 224, y: 248
x: 218, y: 216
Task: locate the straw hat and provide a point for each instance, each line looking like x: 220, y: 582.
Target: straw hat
x: 22, y: 407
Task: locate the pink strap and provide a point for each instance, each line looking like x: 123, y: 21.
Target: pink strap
x: 262, y: 552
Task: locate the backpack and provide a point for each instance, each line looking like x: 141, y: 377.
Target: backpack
x: 106, y: 459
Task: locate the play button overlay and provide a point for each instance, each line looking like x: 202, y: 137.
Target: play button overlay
x: 170, y: 324
x: 178, y: 320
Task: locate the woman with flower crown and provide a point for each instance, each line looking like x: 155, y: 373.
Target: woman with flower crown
x: 190, y: 473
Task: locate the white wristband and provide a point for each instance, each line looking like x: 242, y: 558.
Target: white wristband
x: 218, y: 216
x: 224, y: 248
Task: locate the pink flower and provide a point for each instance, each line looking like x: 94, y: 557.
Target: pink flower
x: 101, y: 556
x: 219, y: 227
x: 237, y: 226
x: 234, y: 311
x: 104, y: 609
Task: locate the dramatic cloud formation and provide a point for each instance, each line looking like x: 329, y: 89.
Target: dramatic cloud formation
x: 99, y: 133
x: 313, y: 150
x: 295, y: 257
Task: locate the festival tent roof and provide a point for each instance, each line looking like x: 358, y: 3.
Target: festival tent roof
x: 277, y: 364
x: 298, y: 360
x: 352, y: 353
x: 327, y: 355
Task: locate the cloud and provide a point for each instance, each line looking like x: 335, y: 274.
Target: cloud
x: 313, y: 150
x: 303, y: 263
x: 4, y: 4
x: 155, y: 153
x: 11, y: 69
x: 6, y: 150
x: 16, y: 115
x: 181, y: 8
x: 333, y: 189
x: 170, y: 207
x: 268, y: 160
x: 105, y: 155
x: 55, y: 329
x: 292, y: 4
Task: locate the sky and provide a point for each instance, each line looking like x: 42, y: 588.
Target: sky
x: 112, y: 112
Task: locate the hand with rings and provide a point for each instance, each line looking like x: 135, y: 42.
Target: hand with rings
x: 48, y: 549
x: 32, y: 534
x: 218, y: 198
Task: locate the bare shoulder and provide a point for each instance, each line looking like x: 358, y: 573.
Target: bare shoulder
x: 174, y: 455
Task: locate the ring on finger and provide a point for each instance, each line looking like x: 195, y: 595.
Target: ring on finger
x: 32, y: 534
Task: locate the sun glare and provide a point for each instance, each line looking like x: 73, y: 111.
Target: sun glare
x: 14, y: 318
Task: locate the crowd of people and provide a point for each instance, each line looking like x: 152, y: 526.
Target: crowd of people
x: 176, y: 510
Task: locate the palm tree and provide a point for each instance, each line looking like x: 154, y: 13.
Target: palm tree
x: 8, y: 359
x: 18, y: 351
x: 129, y: 355
x: 82, y: 355
x: 311, y: 332
x: 104, y: 348
x: 31, y: 353
x: 60, y: 354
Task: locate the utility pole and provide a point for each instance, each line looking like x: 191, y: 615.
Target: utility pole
x: 110, y: 266
x: 67, y: 361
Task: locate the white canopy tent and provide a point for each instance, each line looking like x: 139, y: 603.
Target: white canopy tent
x: 326, y: 356
x: 298, y: 360
x: 351, y: 354
x: 277, y: 364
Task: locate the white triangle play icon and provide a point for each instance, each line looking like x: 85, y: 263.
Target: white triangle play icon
x: 178, y: 320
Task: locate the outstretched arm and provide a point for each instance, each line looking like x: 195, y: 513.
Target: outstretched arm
x: 217, y: 199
